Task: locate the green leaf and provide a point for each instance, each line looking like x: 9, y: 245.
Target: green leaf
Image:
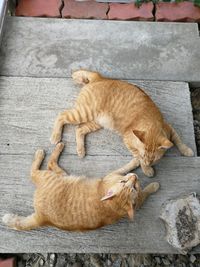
x: 197, y: 3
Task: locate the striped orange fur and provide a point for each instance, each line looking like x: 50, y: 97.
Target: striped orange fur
x: 124, y: 108
x: 78, y: 203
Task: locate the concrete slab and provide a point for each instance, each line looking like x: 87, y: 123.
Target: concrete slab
x: 37, y: 102
x: 129, y: 50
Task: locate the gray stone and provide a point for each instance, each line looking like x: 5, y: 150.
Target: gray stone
x: 147, y: 260
x: 165, y: 261
x: 182, y: 220
x: 158, y: 260
x: 95, y: 260
x: 77, y: 264
x: 117, y: 263
x: 192, y: 258
x: 109, y: 262
x: 41, y: 262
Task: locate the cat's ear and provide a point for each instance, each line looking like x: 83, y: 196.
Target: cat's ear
x: 108, y: 195
x: 112, y: 192
x: 166, y: 144
x: 139, y: 136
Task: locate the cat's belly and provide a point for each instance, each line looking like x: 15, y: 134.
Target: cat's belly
x: 105, y: 121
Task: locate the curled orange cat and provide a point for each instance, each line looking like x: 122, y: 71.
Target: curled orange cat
x: 78, y: 203
x: 124, y: 108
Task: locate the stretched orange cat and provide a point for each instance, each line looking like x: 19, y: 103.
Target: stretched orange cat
x: 122, y: 107
x: 78, y: 203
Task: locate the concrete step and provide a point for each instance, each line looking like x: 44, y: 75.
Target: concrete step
x: 143, y: 235
x: 37, y: 102
x: 129, y: 50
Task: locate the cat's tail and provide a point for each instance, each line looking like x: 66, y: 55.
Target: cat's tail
x: 84, y: 76
x: 21, y: 223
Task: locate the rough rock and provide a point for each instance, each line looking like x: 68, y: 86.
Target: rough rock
x: 182, y: 220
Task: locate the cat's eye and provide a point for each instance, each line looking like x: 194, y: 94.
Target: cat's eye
x: 123, y: 182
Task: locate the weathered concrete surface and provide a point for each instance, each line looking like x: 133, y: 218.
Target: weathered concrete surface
x: 182, y: 220
x: 37, y: 102
x: 127, y: 50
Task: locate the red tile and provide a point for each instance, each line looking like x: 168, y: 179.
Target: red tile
x: 183, y: 11
x: 84, y: 10
x: 39, y: 8
x: 8, y: 262
x: 131, y: 11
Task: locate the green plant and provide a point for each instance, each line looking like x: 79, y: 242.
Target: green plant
x: 138, y: 3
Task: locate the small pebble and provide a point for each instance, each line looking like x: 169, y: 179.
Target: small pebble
x: 113, y: 257
x: 77, y: 264
x: 117, y: 263
x: 147, y: 260
x: 158, y: 260
x: 95, y: 260
x: 109, y: 262
x: 192, y: 258
x: 52, y: 256
x: 41, y: 263
x: 165, y: 261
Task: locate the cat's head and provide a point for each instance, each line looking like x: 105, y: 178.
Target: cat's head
x: 122, y: 191
x: 151, y: 146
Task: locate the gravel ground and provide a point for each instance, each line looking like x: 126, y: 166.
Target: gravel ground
x: 195, y: 99
x: 120, y: 260
x: 107, y: 260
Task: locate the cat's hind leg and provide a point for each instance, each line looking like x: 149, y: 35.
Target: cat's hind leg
x: 81, y: 131
x: 53, y: 160
x: 35, y: 171
x: 73, y: 116
x: 22, y: 223
x: 175, y: 138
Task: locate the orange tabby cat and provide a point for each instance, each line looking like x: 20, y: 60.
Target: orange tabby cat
x: 78, y: 203
x: 125, y: 108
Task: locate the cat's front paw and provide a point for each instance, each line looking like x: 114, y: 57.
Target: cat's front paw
x: 81, y: 152
x: 55, y: 138
x: 186, y: 151
x: 148, y: 171
x: 154, y: 187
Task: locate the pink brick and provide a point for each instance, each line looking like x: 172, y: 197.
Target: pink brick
x: 39, y: 8
x: 183, y: 11
x: 131, y: 11
x: 84, y: 10
x: 8, y: 262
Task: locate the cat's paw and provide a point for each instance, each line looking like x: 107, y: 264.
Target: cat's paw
x: 186, y: 151
x: 40, y: 154
x: 55, y: 138
x: 81, y: 152
x: 149, y: 171
x: 154, y: 187
x: 60, y: 146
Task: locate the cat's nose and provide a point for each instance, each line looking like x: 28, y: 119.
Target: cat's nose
x: 132, y: 177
